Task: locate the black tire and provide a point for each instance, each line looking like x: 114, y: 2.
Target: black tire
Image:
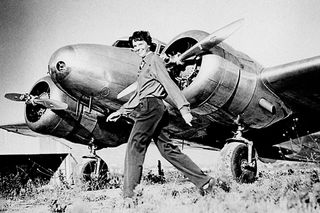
x: 234, y: 162
x: 90, y: 179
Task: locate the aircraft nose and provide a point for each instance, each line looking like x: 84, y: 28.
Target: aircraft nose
x: 60, y: 63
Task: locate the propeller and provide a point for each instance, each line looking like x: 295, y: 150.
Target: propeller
x: 131, y: 88
x: 51, y: 104
x: 210, y: 41
x: 30, y: 99
x: 16, y: 96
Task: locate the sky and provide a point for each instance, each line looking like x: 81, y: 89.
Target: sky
x: 274, y: 32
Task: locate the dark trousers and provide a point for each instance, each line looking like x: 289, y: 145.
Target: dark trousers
x: 151, y: 117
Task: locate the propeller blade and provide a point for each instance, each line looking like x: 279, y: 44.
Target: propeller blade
x: 132, y: 87
x: 16, y: 96
x: 51, y: 104
x: 211, y: 40
x: 29, y: 99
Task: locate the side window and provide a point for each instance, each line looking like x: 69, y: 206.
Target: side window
x: 161, y: 49
x: 153, y: 47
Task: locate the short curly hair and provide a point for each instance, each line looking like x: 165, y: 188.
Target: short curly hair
x: 141, y: 36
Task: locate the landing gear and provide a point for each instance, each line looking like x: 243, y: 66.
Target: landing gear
x: 235, y: 164
x: 94, y: 172
x: 239, y: 159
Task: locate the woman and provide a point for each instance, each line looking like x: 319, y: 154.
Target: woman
x: 154, y: 84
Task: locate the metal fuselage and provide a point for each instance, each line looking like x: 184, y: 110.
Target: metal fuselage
x: 96, y: 71
x: 224, y: 87
x: 221, y: 84
x: 227, y: 84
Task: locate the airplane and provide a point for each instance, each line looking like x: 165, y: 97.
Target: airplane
x: 247, y: 111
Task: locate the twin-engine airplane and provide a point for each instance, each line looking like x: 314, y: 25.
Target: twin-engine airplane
x: 238, y: 106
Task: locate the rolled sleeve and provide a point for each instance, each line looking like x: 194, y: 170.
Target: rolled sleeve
x: 185, y: 110
x: 171, y: 88
x: 130, y: 105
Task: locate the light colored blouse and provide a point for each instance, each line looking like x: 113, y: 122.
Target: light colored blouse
x: 154, y: 81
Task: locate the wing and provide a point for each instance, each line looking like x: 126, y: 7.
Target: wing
x: 20, y: 128
x: 306, y: 148
x: 296, y: 84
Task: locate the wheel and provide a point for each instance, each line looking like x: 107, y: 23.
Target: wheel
x: 234, y: 162
x: 93, y: 175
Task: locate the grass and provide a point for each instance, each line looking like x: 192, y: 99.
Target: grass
x: 282, y: 187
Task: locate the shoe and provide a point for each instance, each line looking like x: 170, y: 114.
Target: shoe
x: 212, y: 184
x: 128, y: 202
x: 208, y: 187
x: 224, y: 185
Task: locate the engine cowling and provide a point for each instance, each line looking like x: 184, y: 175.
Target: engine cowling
x: 75, y: 124
x: 41, y: 119
x: 223, y: 83
x: 206, y: 79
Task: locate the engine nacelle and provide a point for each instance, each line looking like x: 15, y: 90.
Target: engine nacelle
x: 223, y: 83
x: 75, y: 124
x: 208, y: 78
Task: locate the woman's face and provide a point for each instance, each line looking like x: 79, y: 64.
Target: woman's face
x: 141, y: 48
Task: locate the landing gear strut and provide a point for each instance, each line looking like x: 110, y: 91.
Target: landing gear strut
x: 94, y: 171
x: 239, y: 159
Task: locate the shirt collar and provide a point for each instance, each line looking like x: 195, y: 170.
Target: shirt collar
x: 147, y: 56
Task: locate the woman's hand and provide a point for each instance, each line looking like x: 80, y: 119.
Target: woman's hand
x: 187, y: 118
x: 113, y: 116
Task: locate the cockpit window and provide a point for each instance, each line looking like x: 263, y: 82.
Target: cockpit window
x: 157, y: 46
x: 122, y: 44
x: 161, y: 48
x: 126, y: 44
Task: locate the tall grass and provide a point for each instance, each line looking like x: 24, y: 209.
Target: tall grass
x: 283, y: 187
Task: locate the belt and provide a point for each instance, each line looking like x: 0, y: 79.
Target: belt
x: 143, y: 100
x: 151, y: 97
